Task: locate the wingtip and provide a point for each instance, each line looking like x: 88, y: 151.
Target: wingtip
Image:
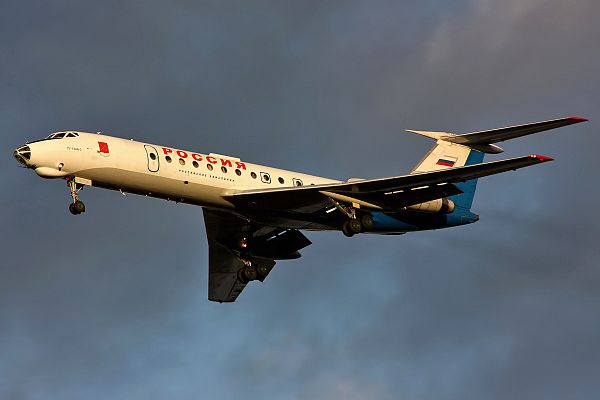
x: 577, y: 119
x: 541, y: 158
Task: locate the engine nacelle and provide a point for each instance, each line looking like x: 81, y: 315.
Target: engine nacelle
x: 442, y: 206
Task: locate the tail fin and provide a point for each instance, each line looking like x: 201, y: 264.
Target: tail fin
x: 445, y: 155
x: 453, y: 150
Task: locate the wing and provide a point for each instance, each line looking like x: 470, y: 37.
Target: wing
x: 388, y: 194
x: 235, y: 243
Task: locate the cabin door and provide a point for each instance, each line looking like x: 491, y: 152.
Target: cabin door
x: 152, y: 155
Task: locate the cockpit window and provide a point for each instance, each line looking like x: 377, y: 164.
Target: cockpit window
x: 60, y: 135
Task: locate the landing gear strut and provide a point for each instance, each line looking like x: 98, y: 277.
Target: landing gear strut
x: 76, y: 207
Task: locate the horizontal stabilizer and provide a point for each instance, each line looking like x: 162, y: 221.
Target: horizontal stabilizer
x: 483, y: 140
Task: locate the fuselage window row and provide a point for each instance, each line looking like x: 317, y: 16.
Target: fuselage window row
x: 265, y: 176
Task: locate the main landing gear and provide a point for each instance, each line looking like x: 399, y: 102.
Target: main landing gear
x: 358, y: 224
x: 357, y: 221
x: 76, y: 207
x: 250, y: 271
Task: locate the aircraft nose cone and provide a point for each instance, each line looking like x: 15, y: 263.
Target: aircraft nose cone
x: 23, y: 155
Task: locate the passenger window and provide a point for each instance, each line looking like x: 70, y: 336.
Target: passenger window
x: 209, y: 166
x: 253, y: 175
x: 195, y: 164
x: 153, y: 156
x: 281, y: 180
x: 181, y: 161
x: 297, y: 182
x: 266, y: 178
x: 168, y: 158
x: 224, y: 170
x: 238, y: 172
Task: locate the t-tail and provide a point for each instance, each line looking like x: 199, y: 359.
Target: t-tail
x: 457, y: 150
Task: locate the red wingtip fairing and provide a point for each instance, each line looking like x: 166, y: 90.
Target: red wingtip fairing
x: 541, y: 158
x: 578, y: 119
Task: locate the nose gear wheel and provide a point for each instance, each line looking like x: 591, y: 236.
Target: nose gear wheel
x: 77, y: 208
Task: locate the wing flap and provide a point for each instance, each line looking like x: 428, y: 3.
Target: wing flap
x: 223, y: 266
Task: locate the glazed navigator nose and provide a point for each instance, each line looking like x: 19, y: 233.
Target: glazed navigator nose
x: 23, y: 155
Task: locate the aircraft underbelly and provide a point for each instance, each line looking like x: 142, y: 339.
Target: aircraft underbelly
x: 158, y: 186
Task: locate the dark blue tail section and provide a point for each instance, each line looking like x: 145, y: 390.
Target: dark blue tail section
x: 465, y: 199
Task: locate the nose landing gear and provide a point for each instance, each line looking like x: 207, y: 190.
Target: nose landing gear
x: 76, y: 207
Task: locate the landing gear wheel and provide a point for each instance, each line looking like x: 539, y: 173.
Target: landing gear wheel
x: 77, y: 208
x: 355, y: 226
x: 346, y: 232
x: 352, y: 227
x: 247, y: 274
x: 262, y: 272
x: 367, y: 222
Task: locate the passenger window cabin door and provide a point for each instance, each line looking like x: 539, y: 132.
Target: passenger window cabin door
x: 152, y: 155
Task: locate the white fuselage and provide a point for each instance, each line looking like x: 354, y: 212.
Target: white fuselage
x: 156, y: 171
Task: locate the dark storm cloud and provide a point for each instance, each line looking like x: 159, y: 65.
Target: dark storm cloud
x: 114, y: 304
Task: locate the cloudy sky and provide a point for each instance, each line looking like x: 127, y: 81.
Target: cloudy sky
x: 113, y: 304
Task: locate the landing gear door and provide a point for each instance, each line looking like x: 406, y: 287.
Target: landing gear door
x: 152, y: 156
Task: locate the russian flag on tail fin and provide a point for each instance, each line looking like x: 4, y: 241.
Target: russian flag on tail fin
x: 446, y: 161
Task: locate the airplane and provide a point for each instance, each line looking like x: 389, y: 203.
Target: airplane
x: 254, y: 214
